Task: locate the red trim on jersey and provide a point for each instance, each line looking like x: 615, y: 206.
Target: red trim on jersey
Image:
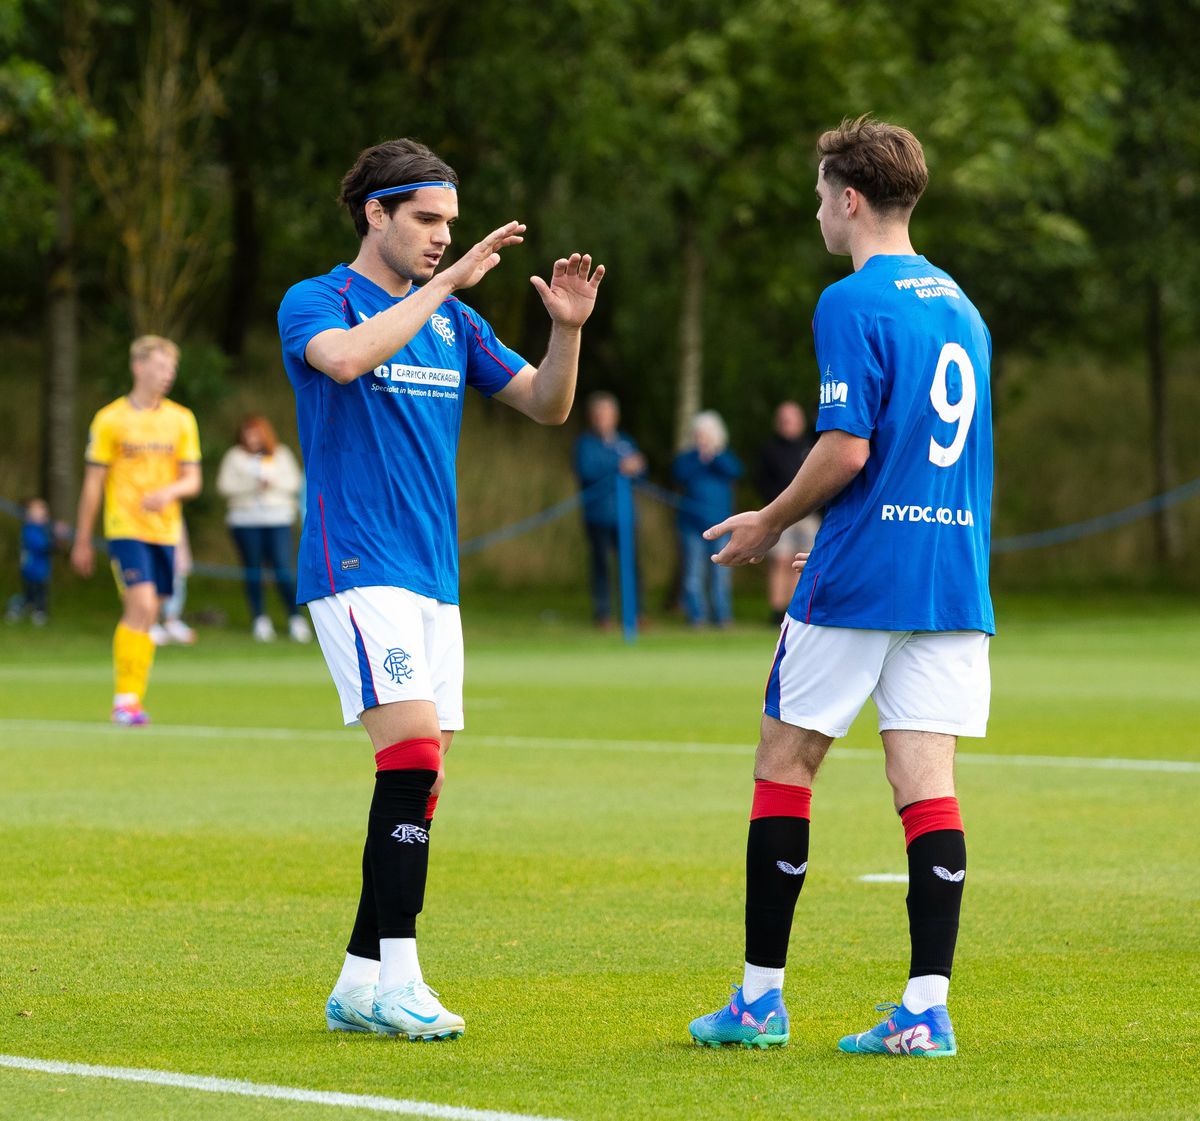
x: 778, y: 799
x: 325, y: 541
x: 812, y: 592
x: 410, y: 755
x: 479, y: 340
x: 342, y: 292
x: 930, y: 816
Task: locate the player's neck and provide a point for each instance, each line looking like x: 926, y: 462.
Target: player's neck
x: 141, y: 398
x: 368, y: 263
x: 890, y: 241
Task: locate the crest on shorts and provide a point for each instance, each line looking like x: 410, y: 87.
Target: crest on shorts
x: 396, y: 664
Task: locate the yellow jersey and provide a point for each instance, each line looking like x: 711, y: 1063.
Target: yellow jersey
x: 142, y: 449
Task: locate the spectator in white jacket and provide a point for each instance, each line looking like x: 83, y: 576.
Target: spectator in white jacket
x: 260, y: 478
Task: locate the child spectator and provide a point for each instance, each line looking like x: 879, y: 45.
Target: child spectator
x: 37, y: 544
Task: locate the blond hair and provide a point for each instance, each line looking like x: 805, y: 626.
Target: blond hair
x: 146, y: 345
x: 885, y: 163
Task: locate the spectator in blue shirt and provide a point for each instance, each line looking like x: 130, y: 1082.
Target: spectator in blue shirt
x: 37, y: 545
x: 601, y: 454
x: 706, y: 472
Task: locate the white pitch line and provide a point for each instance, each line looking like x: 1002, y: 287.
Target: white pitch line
x: 553, y: 743
x: 373, y: 1102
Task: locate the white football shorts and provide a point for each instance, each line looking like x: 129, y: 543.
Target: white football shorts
x: 923, y: 681
x: 386, y: 644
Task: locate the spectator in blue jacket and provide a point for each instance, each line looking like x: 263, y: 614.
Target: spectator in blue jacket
x: 601, y: 454
x: 37, y: 545
x: 706, y: 472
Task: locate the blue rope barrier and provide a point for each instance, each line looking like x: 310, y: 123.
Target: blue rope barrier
x: 1101, y: 524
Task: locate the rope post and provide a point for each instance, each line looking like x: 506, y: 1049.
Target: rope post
x: 627, y: 552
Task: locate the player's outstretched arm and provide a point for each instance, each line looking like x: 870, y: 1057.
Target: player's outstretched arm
x: 836, y: 459
x: 348, y: 354
x: 546, y: 394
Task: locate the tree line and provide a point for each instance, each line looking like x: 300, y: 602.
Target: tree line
x: 172, y: 167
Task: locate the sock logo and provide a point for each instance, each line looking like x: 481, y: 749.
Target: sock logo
x: 410, y: 835
x: 792, y: 870
x: 946, y: 874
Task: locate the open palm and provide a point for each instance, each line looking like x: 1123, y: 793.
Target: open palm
x: 571, y: 293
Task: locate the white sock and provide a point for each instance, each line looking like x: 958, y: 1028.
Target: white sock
x: 357, y: 972
x: 398, y: 963
x: 758, y: 979
x: 120, y: 699
x: 923, y: 993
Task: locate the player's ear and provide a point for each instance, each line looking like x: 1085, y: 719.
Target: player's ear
x: 374, y: 213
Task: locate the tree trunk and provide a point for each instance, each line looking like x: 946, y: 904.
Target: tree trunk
x: 1166, y: 544
x: 691, y: 336
x: 243, y: 270
x: 60, y: 456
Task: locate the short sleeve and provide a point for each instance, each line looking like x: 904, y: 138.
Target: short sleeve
x: 490, y: 364
x: 100, y: 441
x: 308, y: 308
x: 188, y: 449
x: 851, y: 374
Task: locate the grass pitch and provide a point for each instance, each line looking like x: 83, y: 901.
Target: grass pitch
x: 178, y: 897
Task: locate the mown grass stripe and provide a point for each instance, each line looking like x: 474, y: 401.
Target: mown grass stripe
x: 374, y: 1103
x: 670, y: 747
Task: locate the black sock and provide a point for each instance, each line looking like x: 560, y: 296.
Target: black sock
x: 364, y: 938
x: 776, y: 861
x: 937, y: 864
x: 398, y: 847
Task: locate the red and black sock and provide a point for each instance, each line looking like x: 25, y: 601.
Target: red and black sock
x: 776, y: 862
x: 937, y: 866
x: 396, y: 856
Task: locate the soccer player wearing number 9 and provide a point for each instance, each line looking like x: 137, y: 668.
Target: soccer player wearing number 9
x: 893, y: 601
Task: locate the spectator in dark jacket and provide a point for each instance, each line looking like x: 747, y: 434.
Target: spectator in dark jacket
x: 706, y: 472
x: 601, y: 454
x: 778, y: 461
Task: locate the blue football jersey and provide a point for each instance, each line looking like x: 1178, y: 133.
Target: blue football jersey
x: 905, y: 362
x: 379, y: 453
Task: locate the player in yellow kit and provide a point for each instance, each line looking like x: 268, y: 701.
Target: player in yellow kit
x: 143, y: 458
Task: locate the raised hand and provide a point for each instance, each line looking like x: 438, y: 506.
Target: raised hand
x: 481, y: 258
x: 571, y: 293
x: 751, y: 539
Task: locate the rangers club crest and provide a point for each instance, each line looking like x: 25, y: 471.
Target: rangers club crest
x: 442, y: 325
x: 396, y: 664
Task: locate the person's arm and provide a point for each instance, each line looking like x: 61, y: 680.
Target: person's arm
x: 346, y: 354
x: 594, y: 460
x: 837, y: 458
x: 545, y: 394
x: 233, y: 478
x: 90, y: 497
x: 728, y: 465
x: 186, y: 485
x: 287, y: 472
x: 684, y: 467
